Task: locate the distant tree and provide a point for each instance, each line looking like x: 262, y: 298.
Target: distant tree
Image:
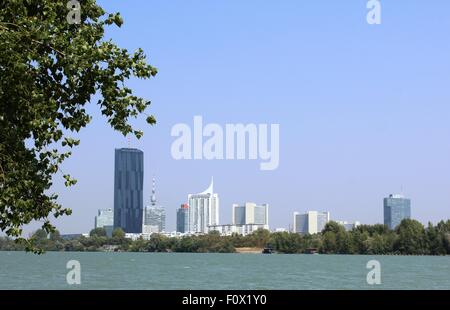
x: 50, y: 70
x: 140, y: 245
x: 447, y: 243
x: 329, y: 244
x: 333, y: 227
x: 378, y: 229
x: 360, y: 240
x: 186, y: 244
x: 157, y: 243
x: 260, y: 237
x: 40, y: 239
x: 55, y: 236
x: 118, y: 233
x: 344, y: 243
x: 3, y: 244
x: 74, y: 246
x: 98, y: 232
x: 379, y: 244
x: 40, y: 234
x: 336, y: 239
x: 411, y: 238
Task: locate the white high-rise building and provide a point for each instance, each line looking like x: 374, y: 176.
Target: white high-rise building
x: 312, y: 222
x: 250, y: 213
x: 203, y: 210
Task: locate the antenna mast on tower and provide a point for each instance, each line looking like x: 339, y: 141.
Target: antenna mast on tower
x: 153, y: 197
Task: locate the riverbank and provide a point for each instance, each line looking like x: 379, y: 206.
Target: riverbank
x: 248, y: 250
x: 410, y: 238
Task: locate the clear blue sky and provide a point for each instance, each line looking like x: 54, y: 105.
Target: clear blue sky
x: 363, y: 110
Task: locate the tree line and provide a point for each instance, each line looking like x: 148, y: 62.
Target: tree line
x: 409, y: 238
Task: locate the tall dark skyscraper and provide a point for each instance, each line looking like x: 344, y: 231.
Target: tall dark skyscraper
x: 128, y: 190
x: 396, y: 209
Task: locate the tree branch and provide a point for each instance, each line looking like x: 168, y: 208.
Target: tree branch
x: 33, y: 40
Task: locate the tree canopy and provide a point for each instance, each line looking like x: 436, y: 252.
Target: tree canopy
x: 98, y: 232
x: 366, y: 240
x: 50, y: 70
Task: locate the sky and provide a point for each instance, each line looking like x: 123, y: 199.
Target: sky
x: 363, y: 109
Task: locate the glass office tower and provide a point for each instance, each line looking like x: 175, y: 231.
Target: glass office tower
x: 128, y: 190
x: 312, y: 222
x: 183, y: 219
x: 250, y: 213
x: 396, y: 209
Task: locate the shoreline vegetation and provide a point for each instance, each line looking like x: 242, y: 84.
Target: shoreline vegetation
x: 409, y: 238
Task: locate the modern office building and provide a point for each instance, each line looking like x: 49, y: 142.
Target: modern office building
x: 246, y: 219
x: 154, y: 220
x: 396, y: 209
x: 154, y: 216
x: 203, y: 210
x: 312, y: 222
x: 105, y: 219
x: 250, y: 213
x: 230, y: 229
x: 128, y: 189
x: 183, y: 219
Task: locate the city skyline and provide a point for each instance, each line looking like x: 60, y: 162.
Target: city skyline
x: 355, y: 124
x: 201, y: 214
x: 154, y: 215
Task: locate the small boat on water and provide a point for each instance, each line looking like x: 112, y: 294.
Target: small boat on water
x: 312, y: 251
x: 268, y: 250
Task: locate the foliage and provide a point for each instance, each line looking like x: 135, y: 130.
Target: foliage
x: 410, y: 238
x: 118, y: 233
x: 98, y: 232
x: 49, y: 71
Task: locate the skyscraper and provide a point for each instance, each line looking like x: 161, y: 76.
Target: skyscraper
x: 128, y: 189
x: 250, y: 213
x: 203, y: 210
x: 183, y: 219
x: 154, y: 220
x: 312, y: 222
x: 154, y: 216
x: 396, y: 209
x: 105, y: 219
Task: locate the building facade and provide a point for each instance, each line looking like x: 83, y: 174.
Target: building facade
x: 396, y: 209
x: 230, y: 229
x: 183, y: 219
x: 250, y: 213
x: 128, y: 190
x: 154, y: 220
x: 154, y: 215
x: 311, y: 222
x: 105, y: 219
x: 203, y: 210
